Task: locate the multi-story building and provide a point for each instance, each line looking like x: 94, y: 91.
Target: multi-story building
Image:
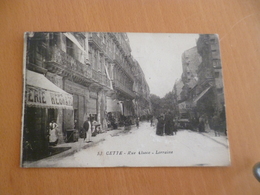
x: 206, y: 98
x: 177, y: 89
x: 209, y: 96
x: 91, y: 75
x: 202, y: 90
x: 142, y: 93
x: 190, y: 63
x: 177, y: 98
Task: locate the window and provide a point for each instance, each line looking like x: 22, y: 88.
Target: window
x: 69, y: 47
x: 212, y: 41
x: 216, y: 74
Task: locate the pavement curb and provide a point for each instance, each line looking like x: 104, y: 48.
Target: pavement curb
x: 210, y: 137
x: 75, y: 147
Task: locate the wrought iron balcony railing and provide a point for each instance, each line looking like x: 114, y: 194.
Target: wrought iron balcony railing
x: 105, y: 81
x: 96, y: 39
x: 123, y: 88
x: 64, y: 61
x: 68, y: 63
x: 96, y: 76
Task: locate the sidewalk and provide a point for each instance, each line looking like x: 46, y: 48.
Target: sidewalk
x: 221, y: 139
x: 75, y: 146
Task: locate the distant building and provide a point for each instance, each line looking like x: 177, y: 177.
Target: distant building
x: 209, y: 94
x: 177, y: 89
x: 202, y: 90
x: 142, y: 93
x: 190, y: 63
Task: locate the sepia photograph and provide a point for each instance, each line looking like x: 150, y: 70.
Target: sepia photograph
x: 106, y: 99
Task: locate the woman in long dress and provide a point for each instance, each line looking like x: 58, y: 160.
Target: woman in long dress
x: 160, y: 126
x: 53, y: 139
x: 169, y: 125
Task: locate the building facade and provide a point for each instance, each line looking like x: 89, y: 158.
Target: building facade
x: 142, y: 101
x: 190, y: 63
x: 95, y: 71
x: 202, y: 92
x: 210, y: 83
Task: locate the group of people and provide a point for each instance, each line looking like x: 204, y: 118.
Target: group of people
x: 88, y: 130
x: 198, y: 124
x: 166, y: 125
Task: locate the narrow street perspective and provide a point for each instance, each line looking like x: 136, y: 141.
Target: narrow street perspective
x: 186, y: 148
x: 103, y: 99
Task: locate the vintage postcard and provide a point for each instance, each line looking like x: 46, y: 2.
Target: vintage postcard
x: 103, y: 99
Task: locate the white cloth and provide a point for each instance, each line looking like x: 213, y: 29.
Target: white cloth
x: 53, y: 132
x: 53, y: 135
x: 89, y: 132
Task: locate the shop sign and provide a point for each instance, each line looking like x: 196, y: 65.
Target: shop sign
x: 44, y: 98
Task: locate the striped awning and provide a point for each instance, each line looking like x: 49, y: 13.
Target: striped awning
x: 41, y: 92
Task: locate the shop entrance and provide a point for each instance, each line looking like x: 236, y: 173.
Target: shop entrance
x: 35, y: 138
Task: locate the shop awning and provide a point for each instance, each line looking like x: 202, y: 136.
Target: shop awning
x: 201, y: 95
x: 112, y: 105
x: 41, y: 92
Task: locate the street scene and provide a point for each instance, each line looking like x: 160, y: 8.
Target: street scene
x: 186, y: 148
x: 96, y: 99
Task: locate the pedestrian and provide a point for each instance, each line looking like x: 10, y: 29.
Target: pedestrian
x: 193, y: 123
x: 53, y: 133
x: 151, y: 121
x: 160, y: 126
x: 155, y: 122
x: 96, y: 128
x: 215, y: 125
x: 87, y: 129
x: 175, y: 129
x: 201, y: 125
x: 137, y: 122
x: 169, y: 123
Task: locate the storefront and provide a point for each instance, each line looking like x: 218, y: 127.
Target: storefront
x: 42, y: 104
x: 92, y: 109
x: 114, y: 111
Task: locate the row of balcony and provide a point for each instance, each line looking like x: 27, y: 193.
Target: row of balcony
x: 70, y: 64
x: 122, y: 42
x: 94, y: 38
x: 126, y: 69
x: 118, y: 85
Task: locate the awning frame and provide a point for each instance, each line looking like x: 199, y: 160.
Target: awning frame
x: 201, y: 95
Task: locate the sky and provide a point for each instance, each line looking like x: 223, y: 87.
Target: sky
x: 159, y: 55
